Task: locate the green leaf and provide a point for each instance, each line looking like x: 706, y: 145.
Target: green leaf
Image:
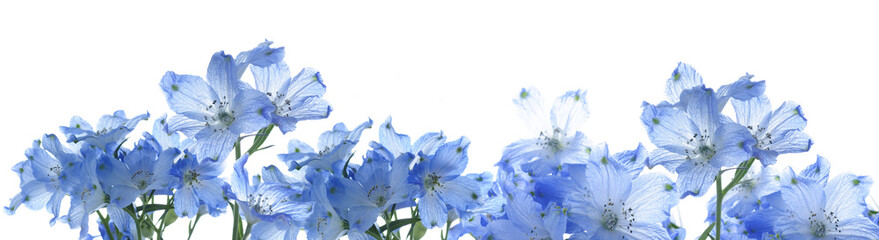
x: 419, y: 231
x: 260, y: 138
x: 394, y: 225
x: 374, y: 233
x: 154, y: 207
x: 170, y: 217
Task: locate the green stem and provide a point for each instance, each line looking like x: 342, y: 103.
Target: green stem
x: 741, y: 171
x: 717, y: 212
x: 106, y: 223
x: 247, y: 231
x: 192, y: 226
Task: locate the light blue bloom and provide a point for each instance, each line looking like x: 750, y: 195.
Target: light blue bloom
x: 631, y: 160
x: 695, y: 143
x: 401, y: 143
x: 441, y: 184
x: 378, y: 185
x: 775, y: 132
x: 834, y: 211
x: 41, y: 176
x: 217, y: 112
x: 86, y: 194
x: 110, y: 132
x: 295, y: 99
x: 142, y: 170
x: 615, y: 206
x: 558, y: 142
x: 324, y: 222
x: 526, y: 219
x: 747, y: 195
x: 197, y: 184
x: 334, y: 147
x: 269, y: 204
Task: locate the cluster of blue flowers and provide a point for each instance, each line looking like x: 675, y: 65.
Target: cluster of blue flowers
x: 557, y: 185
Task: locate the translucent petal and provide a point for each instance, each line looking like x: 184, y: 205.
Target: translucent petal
x: 684, y: 77
x: 570, y: 111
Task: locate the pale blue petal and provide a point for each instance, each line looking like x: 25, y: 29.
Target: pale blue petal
x: 651, y: 198
x: 180, y: 123
x: 531, y: 109
x: 788, y: 116
x: 695, y: 179
x: 450, y: 158
x: 846, y: 194
x: 667, y: 159
x: 428, y: 143
x: 668, y: 128
x: 252, y: 111
x: 702, y: 109
x: 185, y: 202
x: 188, y: 95
x: 634, y: 160
x: 432, y: 210
x: 269, y: 79
x: 461, y: 193
x: 684, y: 77
x: 211, y: 193
x: 730, y: 142
x: 742, y: 89
x: 361, y: 218
x: 858, y: 227
x: 752, y: 113
x: 223, y: 76
x: 570, y: 111
x: 818, y: 171
x: 214, y: 145
x: 240, y: 178
x: 790, y: 142
x: 390, y: 139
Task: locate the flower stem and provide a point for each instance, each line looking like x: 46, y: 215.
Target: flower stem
x: 717, y: 212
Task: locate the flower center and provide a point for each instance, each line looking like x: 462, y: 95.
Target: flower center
x: 432, y: 181
x: 142, y: 178
x: 190, y: 177
x: 554, y: 143
x: 379, y: 194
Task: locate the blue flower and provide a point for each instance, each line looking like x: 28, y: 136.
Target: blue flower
x: 142, y: 170
x: 334, y: 147
x: 268, y: 200
x: 615, y: 206
x: 695, y: 143
x: 401, y: 143
x: 834, y: 211
x: 527, y: 220
x: 295, y: 99
x: 441, y: 184
x: 775, y: 132
x: 747, y: 195
x: 631, y: 160
x: 197, y: 184
x: 216, y: 112
x: 86, y: 194
x: 379, y: 184
x: 41, y: 176
x: 558, y: 141
x: 110, y: 132
x: 324, y: 222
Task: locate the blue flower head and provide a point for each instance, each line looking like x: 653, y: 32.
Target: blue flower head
x: 398, y: 143
x: 217, y: 112
x: 379, y: 184
x: 685, y: 77
x: 615, y: 206
x: 110, y: 132
x: 558, y: 141
x: 268, y: 204
x: 775, y: 132
x: 86, y: 194
x: 836, y: 211
x: 441, y: 184
x: 295, y: 99
x: 324, y: 222
x: 142, y: 170
x: 42, y: 176
x: 197, y: 185
x: 526, y: 219
x: 334, y: 147
x: 695, y: 143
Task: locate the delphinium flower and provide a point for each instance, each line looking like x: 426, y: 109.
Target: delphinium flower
x: 398, y: 143
x: 378, y: 185
x: 613, y: 205
x: 475, y: 221
x: 324, y: 222
x: 835, y: 211
x: 526, y: 219
x: 295, y: 99
x: 439, y: 176
x: 140, y: 171
x: 695, y: 143
x: 775, y: 132
x: 41, y: 176
x: 267, y: 204
x: 110, y: 131
x: 86, y: 194
x: 197, y: 185
x: 558, y: 141
x: 334, y: 147
x: 746, y: 196
x: 215, y: 113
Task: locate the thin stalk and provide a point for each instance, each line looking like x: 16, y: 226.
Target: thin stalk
x: 106, y: 224
x: 192, y: 226
x: 717, y: 212
x: 247, y: 231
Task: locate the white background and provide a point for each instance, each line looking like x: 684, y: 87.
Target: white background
x: 453, y: 66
